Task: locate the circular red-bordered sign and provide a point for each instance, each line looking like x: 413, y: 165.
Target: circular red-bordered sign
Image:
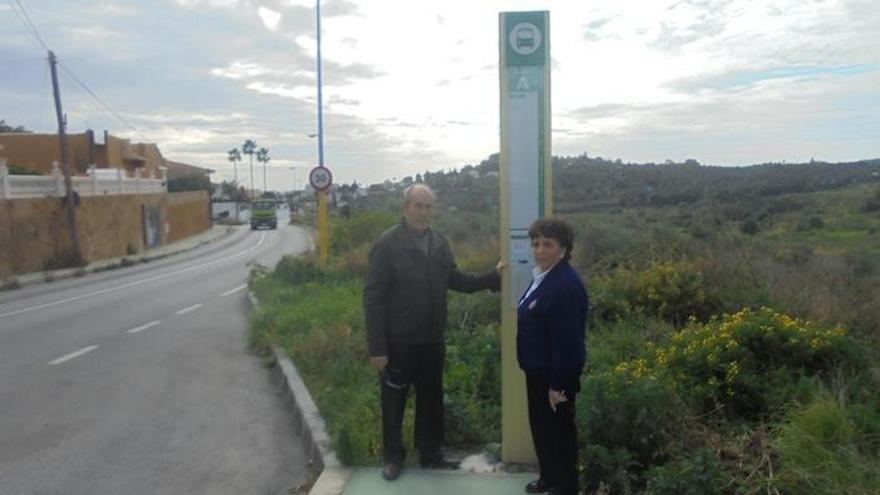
x: 320, y: 178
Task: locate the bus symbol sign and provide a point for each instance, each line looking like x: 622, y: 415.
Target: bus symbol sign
x: 525, y: 38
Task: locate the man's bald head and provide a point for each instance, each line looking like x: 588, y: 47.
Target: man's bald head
x: 417, y: 190
x: 418, y: 206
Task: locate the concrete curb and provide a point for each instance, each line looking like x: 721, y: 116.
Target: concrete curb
x: 334, y: 476
x: 99, y: 266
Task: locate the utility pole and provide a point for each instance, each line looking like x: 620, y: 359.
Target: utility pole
x: 65, y: 164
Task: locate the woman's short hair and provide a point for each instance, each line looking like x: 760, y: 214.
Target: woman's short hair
x: 556, y: 229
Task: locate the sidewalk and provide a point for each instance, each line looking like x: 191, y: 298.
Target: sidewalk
x: 215, y: 233
x: 368, y: 481
x: 335, y: 479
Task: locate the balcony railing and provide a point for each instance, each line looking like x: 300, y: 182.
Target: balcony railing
x: 103, y: 183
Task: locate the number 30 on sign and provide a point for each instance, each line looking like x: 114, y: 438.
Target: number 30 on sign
x: 320, y: 178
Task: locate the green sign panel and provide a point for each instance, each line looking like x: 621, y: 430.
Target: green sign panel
x: 526, y: 37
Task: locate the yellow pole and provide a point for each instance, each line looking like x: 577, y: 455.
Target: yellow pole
x: 323, y: 228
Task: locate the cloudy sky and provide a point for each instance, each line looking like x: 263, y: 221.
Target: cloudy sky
x: 412, y: 85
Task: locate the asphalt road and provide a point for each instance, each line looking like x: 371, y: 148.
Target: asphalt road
x: 139, y: 381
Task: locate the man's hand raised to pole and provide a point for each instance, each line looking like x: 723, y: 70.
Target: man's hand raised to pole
x: 379, y: 362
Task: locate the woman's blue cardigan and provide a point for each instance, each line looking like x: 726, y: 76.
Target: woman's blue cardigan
x: 551, y: 328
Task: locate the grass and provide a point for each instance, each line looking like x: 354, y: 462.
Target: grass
x: 636, y: 262
x: 315, y: 314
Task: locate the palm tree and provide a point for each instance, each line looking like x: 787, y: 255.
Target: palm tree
x: 263, y: 156
x: 235, y: 156
x: 248, y: 148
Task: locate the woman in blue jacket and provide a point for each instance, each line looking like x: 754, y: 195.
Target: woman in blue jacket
x: 550, y: 348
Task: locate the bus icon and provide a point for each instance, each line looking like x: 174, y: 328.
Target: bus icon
x: 525, y: 38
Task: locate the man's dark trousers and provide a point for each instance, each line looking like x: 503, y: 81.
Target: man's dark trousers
x: 419, y: 365
x: 554, y: 434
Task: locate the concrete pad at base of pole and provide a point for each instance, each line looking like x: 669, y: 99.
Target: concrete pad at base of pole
x: 368, y: 481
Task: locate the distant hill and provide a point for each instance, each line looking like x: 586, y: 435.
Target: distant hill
x: 583, y: 183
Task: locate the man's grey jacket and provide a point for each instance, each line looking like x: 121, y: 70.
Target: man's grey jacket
x: 405, y: 291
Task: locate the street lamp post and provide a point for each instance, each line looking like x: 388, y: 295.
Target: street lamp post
x: 320, y: 91
x: 323, y: 228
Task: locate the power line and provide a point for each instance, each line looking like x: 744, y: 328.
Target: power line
x: 99, y: 100
x: 25, y: 19
x: 22, y: 14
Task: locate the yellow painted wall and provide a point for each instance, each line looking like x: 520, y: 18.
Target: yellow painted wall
x: 38, y: 151
x: 189, y: 213
x: 34, y: 231
x: 112, y: 226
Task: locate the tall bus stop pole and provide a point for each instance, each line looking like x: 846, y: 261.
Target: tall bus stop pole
x: 526, y: 184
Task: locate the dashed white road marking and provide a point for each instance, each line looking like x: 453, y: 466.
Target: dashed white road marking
x: 144, y: 326
x: 130, y: 284
x: 73, y: 355
x: 189, y: 308
x: 233, y: 291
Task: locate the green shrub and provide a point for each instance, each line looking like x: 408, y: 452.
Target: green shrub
x: 746, y: 364
x: 473, y: 386
x: 610, y: 343
x: 630, y: 424
x: 749, y: 227
x: 297, y: 270
x: 699, y: 473
x: 671, y: 290
x: 362, y: 227
x: 819, y: 453
x: 17, y: 169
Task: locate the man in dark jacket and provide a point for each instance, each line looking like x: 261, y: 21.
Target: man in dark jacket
x: 411, y: 267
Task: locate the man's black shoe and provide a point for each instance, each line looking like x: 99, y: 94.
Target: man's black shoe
x: 391, y: 471
x: 538, y: 486
x: 559, y: 491
x: 439, y: 463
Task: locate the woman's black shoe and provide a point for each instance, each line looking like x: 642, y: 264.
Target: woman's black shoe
x: 538, y: 486
x: 391, y: 471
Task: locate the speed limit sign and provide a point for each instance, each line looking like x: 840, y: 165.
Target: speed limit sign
x: 320, y: 178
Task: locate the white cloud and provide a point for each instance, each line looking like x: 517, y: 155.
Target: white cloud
x: 118, y: 9
x: 96, y: 33
x: 270, y: 18
x: 297, y: 92
x: 241, y: 70
x: 199, y: 4
x: 410, y: 86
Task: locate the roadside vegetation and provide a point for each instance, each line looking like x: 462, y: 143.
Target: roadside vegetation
x: 733, y: 336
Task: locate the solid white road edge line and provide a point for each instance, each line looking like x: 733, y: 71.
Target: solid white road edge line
x: 233, y: 291
x: 144, y: 327
x: 73, y: 355
x: 189, y: 308
x: 130, y: 284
